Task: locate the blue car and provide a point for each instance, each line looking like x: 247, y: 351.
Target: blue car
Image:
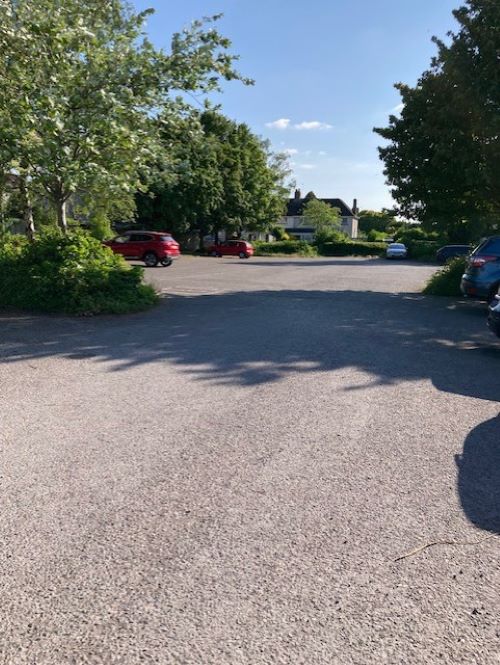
x: 482, y: 275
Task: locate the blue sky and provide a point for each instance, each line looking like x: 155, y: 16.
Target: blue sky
x: 325, y: 69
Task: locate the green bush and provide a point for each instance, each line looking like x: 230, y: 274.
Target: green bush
x: 100, y: 227
x: 279, y: 233
x: 72, y: 274
x: 446, y: 282
x: 300, y: 247
x: 423, y: 250
x: 407, y: 234
x: 325, y: 236
x: 353, y: 248
x: 376, y: 236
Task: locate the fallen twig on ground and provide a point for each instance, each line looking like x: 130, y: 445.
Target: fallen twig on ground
x: 419, y: 549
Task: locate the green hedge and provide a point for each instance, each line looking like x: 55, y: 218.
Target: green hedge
x: 423, y: 249
x: 300, y: 247
x: 446, y: 282
x: 353, y: 248
x: 72, y: 274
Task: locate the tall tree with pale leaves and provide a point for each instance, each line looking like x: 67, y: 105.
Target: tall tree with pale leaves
x: 81, y: 85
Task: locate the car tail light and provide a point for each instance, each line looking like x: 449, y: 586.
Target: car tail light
x: 478, y: 261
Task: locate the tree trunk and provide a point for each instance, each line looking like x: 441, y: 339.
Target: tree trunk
x: 29, y: 223
x: 61, y: 215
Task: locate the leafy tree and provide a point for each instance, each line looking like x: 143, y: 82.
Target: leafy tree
x: 80, y: 87
x: 221, y: 176
x: 372, y: 220
x: 442, y: 153
x: 321, y: 216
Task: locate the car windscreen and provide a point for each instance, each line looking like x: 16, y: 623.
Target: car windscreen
x: 397, y: 246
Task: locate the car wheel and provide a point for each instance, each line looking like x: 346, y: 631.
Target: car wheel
x: 150, y: 259
x: 494, y: 291
x: 216, y: 254
x: 243, y: 255
x: 166, y: 261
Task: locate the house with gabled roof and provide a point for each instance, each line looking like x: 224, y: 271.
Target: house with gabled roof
x: 296, y: 225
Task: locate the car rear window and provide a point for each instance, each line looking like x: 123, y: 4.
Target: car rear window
x: 166, y: 238
x: 490, y: 246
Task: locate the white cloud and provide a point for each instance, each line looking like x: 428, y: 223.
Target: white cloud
x: 398, y: 108
x: 306, y: 167
x: 322, y: 153
x: 312, y: 124
x: 281, y: 123
x: 291, y: 151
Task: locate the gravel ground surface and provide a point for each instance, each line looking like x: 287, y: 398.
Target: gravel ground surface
x: 232, y: 477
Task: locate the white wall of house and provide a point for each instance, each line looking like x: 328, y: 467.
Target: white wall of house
x: 350, y: 225
x: 293, y: 225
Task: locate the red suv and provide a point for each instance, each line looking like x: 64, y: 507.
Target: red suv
x: 239, y: 248
x: 148, y: 246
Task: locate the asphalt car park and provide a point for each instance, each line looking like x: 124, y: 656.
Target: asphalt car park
x: 286, y: 461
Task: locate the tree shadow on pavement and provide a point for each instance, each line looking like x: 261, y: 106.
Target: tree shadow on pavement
x: 479, y: 475
x: 251, y: 338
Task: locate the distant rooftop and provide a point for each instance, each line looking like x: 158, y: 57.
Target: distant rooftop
x: 296, y: 205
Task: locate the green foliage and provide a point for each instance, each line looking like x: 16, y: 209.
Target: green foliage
x: 375, y: 236
x: 423, y: 250
x: 328, y: 235
x: 372, y: 220
x: 446, y: 282
x: 409, y: 233
x: 100, y: 227
x: 442, y: 154
x: 421, y: 245
x: 222, y: 176
x: 343, y: 247
x: 80, y: 87
x: 300, y: 247
x: 279, y: 233
x: 71, y: 274
x: 415, y: 233
x: 321, y: 216
x: 353, y: 248
x: 11, y: 248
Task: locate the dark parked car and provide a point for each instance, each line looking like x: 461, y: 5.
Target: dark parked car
x: 482, y: 274
x: 494, y: 316
x: 148, y: 246
x: 451, y: 251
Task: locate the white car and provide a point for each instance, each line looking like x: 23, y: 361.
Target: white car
x: 396, y: 250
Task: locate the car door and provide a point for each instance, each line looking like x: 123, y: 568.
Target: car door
x: 232, y: 248
x: 145, y: 243
x: 120, y: 245
x: 135, y: 246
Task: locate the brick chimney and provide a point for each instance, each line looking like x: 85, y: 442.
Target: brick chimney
x: 297, y: 195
